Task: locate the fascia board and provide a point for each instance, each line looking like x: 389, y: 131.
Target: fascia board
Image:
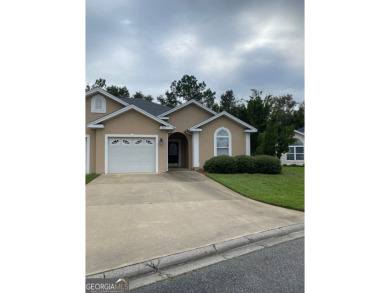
x: 167, y: 128
x: 108, y: 95
x: 240, y: 121
x: 195, y: 130
x: 251, y: 128
x: 120, y: 111
x: 96, y: 126
x: 186, y: 104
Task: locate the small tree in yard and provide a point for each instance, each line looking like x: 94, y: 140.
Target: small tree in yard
x: 279, y: 131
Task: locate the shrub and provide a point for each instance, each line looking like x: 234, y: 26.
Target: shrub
x: 245, y: 164
x: 221, y: 164
x: 267, y: 164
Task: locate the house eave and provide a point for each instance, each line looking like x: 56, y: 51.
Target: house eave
x: 186, y: 104
x: 246, y: 125
x: 195, y: 129
x: 167, y: 128
x: 95, y: 126
x: 131, y: 107
x: 105, y: 93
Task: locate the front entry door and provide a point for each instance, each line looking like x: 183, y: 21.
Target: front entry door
x: 173, y: 152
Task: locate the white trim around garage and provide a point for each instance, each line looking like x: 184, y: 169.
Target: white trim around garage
x: 88, y: 152
x: 107, y: 136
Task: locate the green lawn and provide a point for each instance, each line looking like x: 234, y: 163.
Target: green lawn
x: 285, y: 189
x: 90, y: 177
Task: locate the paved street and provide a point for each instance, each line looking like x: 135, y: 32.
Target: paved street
x: 279, y: 268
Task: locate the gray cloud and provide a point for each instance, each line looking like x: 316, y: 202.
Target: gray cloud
x: 238, y: 45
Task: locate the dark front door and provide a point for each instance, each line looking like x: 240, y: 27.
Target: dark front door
x: 173, y: 152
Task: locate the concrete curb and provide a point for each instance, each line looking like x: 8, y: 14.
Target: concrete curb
x: 132, y: 271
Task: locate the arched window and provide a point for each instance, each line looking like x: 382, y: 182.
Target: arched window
x: 296, y: 151
x: 222, y: 142
x: 98, y: 104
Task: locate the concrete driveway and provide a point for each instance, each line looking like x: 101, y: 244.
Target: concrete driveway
x: 131, y: 218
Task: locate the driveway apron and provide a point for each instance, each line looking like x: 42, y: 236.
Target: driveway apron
x: 131, y: 218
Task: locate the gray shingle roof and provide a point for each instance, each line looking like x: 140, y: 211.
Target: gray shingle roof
x: 150, y: 107
x: 302, y: 129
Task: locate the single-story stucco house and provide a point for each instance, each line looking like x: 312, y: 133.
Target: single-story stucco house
x: 125, y: 135
x: 296, y: 153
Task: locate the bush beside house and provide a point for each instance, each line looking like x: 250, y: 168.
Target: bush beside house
x: 221, y: 164
x: 267, y: 164
x: 243, y: 164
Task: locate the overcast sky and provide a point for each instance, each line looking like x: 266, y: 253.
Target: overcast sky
x: 229, y: 44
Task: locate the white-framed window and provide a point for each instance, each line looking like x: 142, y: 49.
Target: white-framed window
x: 222, y: 142
x: 98, y: 104
x: 296, y: 152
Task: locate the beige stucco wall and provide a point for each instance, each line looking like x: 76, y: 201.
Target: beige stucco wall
x: 188, y: 116
x: 183, y: 119
x: 206, y: 138
x: 92, y: 153
x: 131, y: 122
x: 111, y: 106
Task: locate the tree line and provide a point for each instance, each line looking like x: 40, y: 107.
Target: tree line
x: 275, y: 117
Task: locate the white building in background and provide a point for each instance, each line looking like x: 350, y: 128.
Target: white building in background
x: 296, y: 154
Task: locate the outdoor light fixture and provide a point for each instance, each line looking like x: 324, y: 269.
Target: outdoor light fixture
x: 161, y: 141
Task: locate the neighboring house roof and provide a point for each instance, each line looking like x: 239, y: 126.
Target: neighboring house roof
x: 95, y: 123
x: 150, y: 107
x: 196, y: 127
x: 301, y: 130
x: 186, y: 104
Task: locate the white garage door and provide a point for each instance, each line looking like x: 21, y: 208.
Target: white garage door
x: 131, y: 154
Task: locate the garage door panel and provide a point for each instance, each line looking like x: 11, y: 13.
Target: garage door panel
x: 131, y: 155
